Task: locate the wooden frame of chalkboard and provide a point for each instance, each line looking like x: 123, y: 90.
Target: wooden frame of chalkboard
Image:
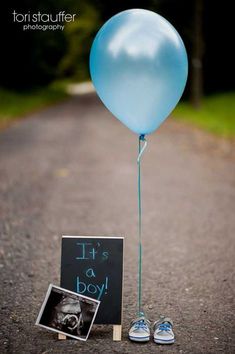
x: 93, y: 266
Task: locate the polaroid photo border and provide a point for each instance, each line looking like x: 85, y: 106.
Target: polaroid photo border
x: 49, y: 290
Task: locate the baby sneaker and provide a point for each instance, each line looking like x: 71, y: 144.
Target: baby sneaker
x: 163, y: 333
x: 139, y: 330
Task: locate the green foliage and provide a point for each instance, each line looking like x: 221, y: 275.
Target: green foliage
x: 16, y: 104
x: 217, y: 114
x: 35, y: 58
x: 79, y: 35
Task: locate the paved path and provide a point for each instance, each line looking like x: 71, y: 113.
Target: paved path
x: 71, y: 169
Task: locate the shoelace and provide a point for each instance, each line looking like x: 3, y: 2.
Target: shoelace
x: 164, y: 327
x: 140, y: 325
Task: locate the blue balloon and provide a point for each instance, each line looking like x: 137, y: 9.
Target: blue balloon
x: 139, y: 67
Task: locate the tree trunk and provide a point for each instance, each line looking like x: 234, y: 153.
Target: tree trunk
x: 197, y: 54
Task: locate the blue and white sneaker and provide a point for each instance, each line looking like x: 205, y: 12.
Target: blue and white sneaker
x: 163, y: 333
x: 139, y: 330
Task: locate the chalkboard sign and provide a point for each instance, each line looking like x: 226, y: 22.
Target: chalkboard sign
x: 93, y: 266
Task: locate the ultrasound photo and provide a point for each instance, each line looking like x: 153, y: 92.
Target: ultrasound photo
x: 66, y: 312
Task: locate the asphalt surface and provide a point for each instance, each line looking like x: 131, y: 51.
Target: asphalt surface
x: 71, y: 169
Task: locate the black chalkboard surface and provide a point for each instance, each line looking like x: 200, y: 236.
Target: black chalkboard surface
x: 93, y: 266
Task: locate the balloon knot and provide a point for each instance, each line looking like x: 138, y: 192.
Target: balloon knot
x: 142, y: 137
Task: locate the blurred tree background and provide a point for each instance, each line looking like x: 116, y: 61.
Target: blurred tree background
x: 34, y: 59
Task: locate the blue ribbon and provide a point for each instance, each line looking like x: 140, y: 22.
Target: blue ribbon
x: 142, y: 146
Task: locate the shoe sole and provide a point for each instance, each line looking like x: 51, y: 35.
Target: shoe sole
x: 159, y: 341
x: 136, y: 339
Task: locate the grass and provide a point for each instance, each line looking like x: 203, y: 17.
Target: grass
x: 17, y: 104
x: 217, y: 114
